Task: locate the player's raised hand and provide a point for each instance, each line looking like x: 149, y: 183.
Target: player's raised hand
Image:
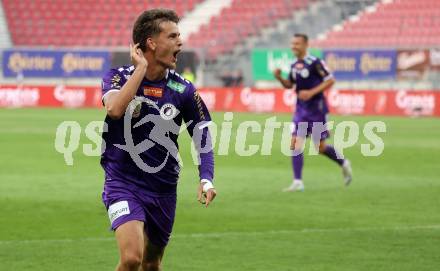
x: 206, y: 193
x: 137, y: 57
x: 277, y: 73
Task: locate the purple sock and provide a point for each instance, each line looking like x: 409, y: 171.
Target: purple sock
x: 331, y: 153
x: 297, y: 164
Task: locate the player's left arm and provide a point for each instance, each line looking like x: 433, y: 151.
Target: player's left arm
x: 197, y: 118
x: 327, y: 81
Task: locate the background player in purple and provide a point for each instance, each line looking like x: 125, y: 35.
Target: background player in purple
x: 146, y: 104
x: 311, y: 78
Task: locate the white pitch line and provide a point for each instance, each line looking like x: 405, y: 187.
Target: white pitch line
x: 232, y: 234
x: 310, y: 230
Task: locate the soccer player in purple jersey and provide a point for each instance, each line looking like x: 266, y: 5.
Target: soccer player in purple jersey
x: 311, y: 78
x: 146, y: 104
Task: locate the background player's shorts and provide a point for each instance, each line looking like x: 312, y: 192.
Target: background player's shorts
x: 126, y: 204
x: 316, y: 128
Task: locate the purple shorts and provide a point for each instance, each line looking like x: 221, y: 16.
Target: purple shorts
x: 126, y: 203
x: 317, y: 129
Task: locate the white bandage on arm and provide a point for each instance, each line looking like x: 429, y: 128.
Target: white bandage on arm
x: 207, y: 184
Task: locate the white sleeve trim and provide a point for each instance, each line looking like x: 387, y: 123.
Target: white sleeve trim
x: 328, y: 77
x: 110, y: 91
x: 201, y: 127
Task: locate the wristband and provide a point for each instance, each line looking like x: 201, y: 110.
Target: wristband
x: 206, y: 185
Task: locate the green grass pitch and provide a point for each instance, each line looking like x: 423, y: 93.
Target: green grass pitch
x: 52, y: 218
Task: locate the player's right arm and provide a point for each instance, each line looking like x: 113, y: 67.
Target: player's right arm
x: 286, y: 83
x: 116, y: 102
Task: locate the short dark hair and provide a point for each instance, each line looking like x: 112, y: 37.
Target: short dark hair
x: 148, y: 24
x: 301, y: 35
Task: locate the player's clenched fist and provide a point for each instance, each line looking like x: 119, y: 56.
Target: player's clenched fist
x: 137, y: 57
x: 206, y: 193
x: 277, y: 73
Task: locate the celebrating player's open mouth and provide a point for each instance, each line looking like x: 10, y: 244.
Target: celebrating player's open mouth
x: 175, y: 56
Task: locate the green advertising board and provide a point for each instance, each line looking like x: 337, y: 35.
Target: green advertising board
x: 264, y: 61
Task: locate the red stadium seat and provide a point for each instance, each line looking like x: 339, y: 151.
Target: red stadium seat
x: 243, y: 18
x: 399, y: 23
x: 78, y: 22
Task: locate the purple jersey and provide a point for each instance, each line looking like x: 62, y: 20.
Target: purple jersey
x: 306, y: 74
x: 157, y: 112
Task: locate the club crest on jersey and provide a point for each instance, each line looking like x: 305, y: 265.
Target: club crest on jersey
x: 153, y: 91
x: 168, y: 111
x: 176, y: 86
x: 304, y: 73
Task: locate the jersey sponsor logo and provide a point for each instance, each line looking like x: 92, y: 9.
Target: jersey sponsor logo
x: 168, y: 111
x: 153, y: 91
x: 117, y: 210
x: 299, y: 65
x: 176, y: 86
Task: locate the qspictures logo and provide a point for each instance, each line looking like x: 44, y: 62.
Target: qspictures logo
x: 226, y: 138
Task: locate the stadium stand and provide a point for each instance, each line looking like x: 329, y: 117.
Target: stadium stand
x: 224, y: 33
x: 242, y: 19
x: 79, y: 22
x: 311, y: 21
x: 305, y: 20
x: 223, y: 27
x: 403, y: 23
x: 200, y: 15
x: 5, y: 40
